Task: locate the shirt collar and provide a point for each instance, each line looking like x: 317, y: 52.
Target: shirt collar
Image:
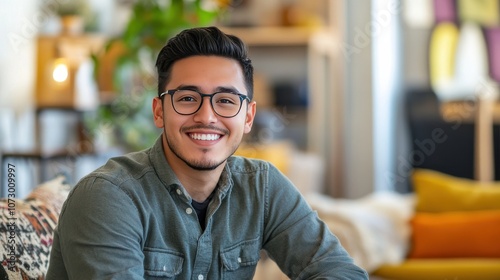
x: 161, y: 166
x: 225, y: 182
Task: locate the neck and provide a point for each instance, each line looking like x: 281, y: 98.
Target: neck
x: 198, y: 183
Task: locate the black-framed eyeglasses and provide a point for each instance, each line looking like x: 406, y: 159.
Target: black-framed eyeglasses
x: 226, y: 104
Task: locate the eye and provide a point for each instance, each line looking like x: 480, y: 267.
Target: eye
x: 226, y: 101
x: 227, y: 98
x: 186, y: 96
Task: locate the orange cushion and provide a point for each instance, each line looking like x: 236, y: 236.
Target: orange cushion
x: 456, y: 234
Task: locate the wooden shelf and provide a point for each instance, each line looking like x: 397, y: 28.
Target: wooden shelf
x: 466, y: 111
x: 272, y: 36
x: 37, y: 154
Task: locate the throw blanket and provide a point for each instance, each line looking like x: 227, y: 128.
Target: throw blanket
x: 374, y: 230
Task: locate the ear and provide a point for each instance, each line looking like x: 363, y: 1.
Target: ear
x: 250, y: 115
x: 158, y: 112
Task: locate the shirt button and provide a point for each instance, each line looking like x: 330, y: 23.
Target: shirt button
x: 239, y: 260
x: 200, y: 277
x: 189, y: 211
x: 179, y: 192
x: 164, y: 268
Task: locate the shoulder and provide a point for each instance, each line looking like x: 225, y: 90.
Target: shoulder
x: 242, y: 165
x: 123, y: 168
x: 119, y: 177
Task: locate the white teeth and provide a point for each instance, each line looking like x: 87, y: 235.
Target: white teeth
x: 205, y: 137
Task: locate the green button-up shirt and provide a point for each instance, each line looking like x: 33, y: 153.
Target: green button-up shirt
x: 132, y: 219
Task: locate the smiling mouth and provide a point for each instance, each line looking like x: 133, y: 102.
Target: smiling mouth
x: 204, y: 137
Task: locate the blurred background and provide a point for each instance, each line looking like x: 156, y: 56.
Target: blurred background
x: 352, y: 95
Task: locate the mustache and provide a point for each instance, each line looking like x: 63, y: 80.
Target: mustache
x: 201, y: 126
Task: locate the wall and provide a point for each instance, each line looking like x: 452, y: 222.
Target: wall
x: 358, y: 103
x: 17, y: 71
x: 373, y: 125
x: 390, y: 134
x: 17, y: 50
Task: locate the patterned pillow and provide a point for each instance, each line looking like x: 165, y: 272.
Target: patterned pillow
x: 26, y: 228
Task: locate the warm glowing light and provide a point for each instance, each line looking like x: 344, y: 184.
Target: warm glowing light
x: 60, y: 73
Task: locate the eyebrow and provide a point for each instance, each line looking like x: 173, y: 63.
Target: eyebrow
x: 217, y: 89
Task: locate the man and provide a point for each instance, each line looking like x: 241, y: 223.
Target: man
x: 186, y: 208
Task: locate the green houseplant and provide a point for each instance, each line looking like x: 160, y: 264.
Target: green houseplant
x: 151, y: 24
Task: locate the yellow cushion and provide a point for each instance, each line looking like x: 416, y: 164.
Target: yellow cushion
x: 440, y: 269
x: 456, y: 234
x: 439, y: 192
x: 277, y: 153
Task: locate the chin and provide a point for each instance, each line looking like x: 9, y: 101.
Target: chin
x: 204, y: 166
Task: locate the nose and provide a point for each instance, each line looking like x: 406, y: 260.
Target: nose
x: 206, y: 113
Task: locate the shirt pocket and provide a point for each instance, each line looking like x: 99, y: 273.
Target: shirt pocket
x: 240, y: 260
x: 162, y: 263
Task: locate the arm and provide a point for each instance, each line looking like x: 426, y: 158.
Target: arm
x: 298, y: 241
x: 100, y: 233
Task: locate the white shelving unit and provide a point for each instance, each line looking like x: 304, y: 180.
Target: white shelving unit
x: 319, y: 54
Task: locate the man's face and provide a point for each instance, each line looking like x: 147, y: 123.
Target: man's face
x: 203, y: 140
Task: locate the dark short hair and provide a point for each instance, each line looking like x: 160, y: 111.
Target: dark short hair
x: 203, y: 41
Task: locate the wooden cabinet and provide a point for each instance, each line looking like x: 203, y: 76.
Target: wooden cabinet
x: 63, y: 51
